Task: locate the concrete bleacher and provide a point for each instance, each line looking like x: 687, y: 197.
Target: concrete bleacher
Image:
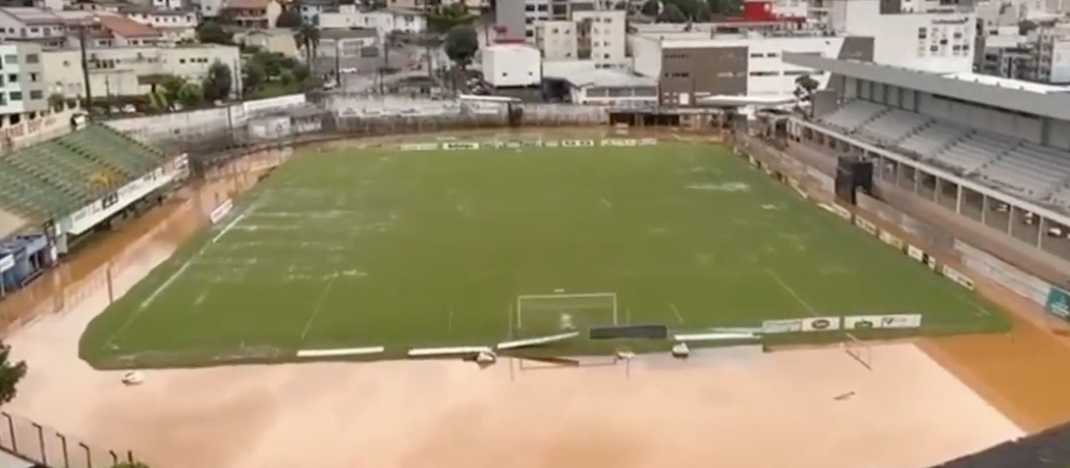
x: 933, y: 139
x: 1031, y: 170
x: 894, y: 125
x: 59, y: 176
x: 853, y: 114
x: 1011, y: 164
x: 972, y: 152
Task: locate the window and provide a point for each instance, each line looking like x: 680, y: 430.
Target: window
x: 607, y: 20
x: 765, y: 73
x: 16, y: 96
x: 755, y: 55
x: 11, y: 58
x: 606, y: 56
x: 922, y: 33
x: 772, y: 55
x: 13, y: 78
x: 35, y: 30
x: 181, y: 61
x: 33, y: 77
x: 934, y: 48
x: 33, y: 58
x: 37, y: 95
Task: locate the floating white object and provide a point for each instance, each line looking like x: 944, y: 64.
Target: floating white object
x: 486, y: 357
x: 133, y: 378
x: 624, y: 355
x: 559, y: 291
x: 681, y: 351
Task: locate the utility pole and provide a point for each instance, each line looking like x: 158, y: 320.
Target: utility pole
x: 85, y: 68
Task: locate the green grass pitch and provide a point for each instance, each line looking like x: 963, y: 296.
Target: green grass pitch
x: 417, y: 249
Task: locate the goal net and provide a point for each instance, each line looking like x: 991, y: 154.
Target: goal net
x: 545, y: 314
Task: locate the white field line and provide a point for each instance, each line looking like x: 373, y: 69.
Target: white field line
x: 676, y: 312
x: 319, y: 307
x: 450, y: 325
x: 171, y: 279
x: 607, y: 203
x: 226, y: 229
x: 811, y: 310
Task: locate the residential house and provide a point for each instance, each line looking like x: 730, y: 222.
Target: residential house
x: 347, y: 50
x: 25, y: 115
x: 208, y: 8
x: 384, y: 21
x: 133, y: 71
x: 32, y: 24
x: 252, y: 14
x: 272, y: 40
x: 111, y: 6
x: 173, y: 25
x: 171, y: 4
x: 311, y: 10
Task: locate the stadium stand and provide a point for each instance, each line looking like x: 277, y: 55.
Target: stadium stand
x: 892, y: 126
x: 1015, y: 165
x: 59, y: 176
x: 854, y: 114
x: 1050, y: 448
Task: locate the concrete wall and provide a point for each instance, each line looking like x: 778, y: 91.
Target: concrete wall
x: 186, y: 124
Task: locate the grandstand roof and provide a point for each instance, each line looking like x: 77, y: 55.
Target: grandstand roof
x: 1004, y: 94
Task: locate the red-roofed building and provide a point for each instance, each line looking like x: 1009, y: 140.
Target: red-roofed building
x: 252, y: 14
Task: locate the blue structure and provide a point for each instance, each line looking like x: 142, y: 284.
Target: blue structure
x: 23, y: 258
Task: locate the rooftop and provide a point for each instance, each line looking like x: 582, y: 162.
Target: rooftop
x: 602, y: 78
x: 126, y: 27
x: 352, y: 33
x: 246, y: 4
x: 31, y: 15
x: 147, y: 10
x: 1008, y: 83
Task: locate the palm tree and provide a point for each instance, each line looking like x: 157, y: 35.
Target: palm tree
x: 309, y: 38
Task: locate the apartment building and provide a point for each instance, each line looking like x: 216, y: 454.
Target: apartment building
x: 919, y: 34
x: 742, y: 67
x: 252, y: 14
x: 132, y: 71
x: 1042, y: 56
x: 599, y: 35
x: 384, y: 21
x: 23, y: 89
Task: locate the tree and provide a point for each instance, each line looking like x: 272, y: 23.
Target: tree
x: 217, y: 85
x: 672, y: 14
x: 725, y: 7
x: 253, y: 76
x: 56, y: 101
x: 169, y: 90
x: 651, y: 8
x: 309, y: 38
x: 190, y: 95
x: 462, y: 42
x: 805, y: 85
x: 10, y: 374
x: 290, y: 19
x: 442, y: 19
x: 210, y: 32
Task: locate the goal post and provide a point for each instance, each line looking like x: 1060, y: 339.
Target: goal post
x: 542, y: 314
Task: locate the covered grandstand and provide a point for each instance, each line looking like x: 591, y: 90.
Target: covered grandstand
x: 55, y: 191
x: 996, y: 151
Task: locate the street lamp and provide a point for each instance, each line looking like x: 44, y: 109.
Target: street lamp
x: 82, y: 26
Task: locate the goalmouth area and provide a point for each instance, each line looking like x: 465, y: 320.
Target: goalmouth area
x: 469, y: 245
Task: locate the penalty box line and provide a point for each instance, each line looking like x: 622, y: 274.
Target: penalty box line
x: 174, y: 277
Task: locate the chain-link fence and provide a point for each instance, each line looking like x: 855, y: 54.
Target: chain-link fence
x: 48, y: 447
